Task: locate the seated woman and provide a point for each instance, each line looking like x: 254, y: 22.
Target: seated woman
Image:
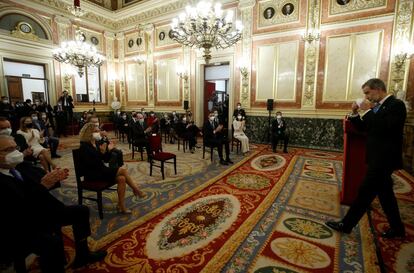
x: 92, y: 160
x: 34, y: 138
x: 239, y: 125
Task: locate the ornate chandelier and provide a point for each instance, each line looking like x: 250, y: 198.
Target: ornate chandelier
x: 205, y: 27
x: 78, y: 52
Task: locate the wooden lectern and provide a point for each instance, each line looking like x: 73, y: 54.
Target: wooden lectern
x: 354, y: 166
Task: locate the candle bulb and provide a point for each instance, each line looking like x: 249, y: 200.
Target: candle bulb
x: 76, y: 3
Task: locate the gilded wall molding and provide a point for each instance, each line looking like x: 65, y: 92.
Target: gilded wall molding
x: 246, y: 8
x: 354, y: 5
x: 121, y: 67
x: 149, y: 32
x: 274, y: 12
x: 402, y: 36
x: 311, y: 57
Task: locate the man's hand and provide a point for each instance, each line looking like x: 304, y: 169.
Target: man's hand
x: 51, y: 178
x: 366, y: 105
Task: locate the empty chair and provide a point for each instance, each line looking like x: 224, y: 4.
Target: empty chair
x: 158, y: 155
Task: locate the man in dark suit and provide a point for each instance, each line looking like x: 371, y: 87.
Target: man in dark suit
x: 383, y: 120
x: 239, y: 111
x: 214, y: 136
x: 140, y: 132
x: 279, y: 132
x: 33, y: 217
x: 67, y: 105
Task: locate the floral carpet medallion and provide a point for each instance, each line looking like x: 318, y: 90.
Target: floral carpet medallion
x: 249, y: 181
x: 192, y: 226
x: 269, y: 162
x: 320, y: 154
x: 308, y: 228
x: 300, y: 253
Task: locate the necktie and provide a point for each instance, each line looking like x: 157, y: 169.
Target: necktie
x: 376, y: 108
x: 16, y: 174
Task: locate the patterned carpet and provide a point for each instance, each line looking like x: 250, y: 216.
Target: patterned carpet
x: 263, y: 214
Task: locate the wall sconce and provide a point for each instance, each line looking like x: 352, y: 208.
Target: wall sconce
x: 405, y: 52
x: 182, y: 73
x: 311, y: 35
x: 243, y: 67
x: 140, y: 59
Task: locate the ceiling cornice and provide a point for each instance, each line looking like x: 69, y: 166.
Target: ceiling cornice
x: 124, y: 18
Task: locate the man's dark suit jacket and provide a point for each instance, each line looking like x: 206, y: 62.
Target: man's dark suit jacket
x: 384, y: 134
x: 138, y: 130
x: 236, y: 112
x: 69, y: 101
x: 276, y: 131
x: 208, y: 133
x: 26, y: 208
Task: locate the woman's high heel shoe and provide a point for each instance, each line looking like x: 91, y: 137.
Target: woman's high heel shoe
x: 124, y: 211
x: 139, y: 193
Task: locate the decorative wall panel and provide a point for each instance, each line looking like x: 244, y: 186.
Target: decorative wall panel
x: 276, y: 71
x: 167, y: 81
x: 136, y: 82
x: 350, y: 61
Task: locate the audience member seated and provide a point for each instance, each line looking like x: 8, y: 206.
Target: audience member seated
x: 32, y: 217
x: 43, y: 125
x: 123, y: 126
x: 188, y: 130
x: 153, y: 122
x: 165, y: 126
x: 92, y: 157
x: 33, y: 139
x: 239, y: 111
x: 83, y: 119
x: 214, y: 137
x: 113, y: 156
x: 239, y: 126
x: 279, y: 132
x: 140, y: 132
x: 6, y: 130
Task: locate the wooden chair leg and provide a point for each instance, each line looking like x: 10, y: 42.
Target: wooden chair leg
x: 211, y: 153
x: 133, y: 151
x: 162, y: 169
x: 175, y: 165
x: 204, y: 150
x: 99, y: 200
x: 80, y: 196
x: 151, y: 167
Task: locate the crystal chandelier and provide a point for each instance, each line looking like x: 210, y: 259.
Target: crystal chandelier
x: 78, y: 52
x: 205, y: 27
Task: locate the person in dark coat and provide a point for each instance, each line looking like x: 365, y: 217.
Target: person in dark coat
x: 32, y: 217
x: 214, y: 136
x: 94, y: 169
x: 383, y: 120
x: 279, y: 132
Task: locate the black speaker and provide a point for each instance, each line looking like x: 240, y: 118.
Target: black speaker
x: 269, y: 104
x: 186, y: 105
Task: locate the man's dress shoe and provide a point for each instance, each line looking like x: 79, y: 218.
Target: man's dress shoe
x: 391, y: 233
x: 90, y: 258
x: 338, y: 226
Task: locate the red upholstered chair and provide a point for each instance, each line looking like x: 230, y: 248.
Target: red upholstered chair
x: 96, y: 186
x: 158, y: 155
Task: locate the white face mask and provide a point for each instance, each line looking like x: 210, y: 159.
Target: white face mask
x: 278, y: 116
x: 14, y: 158
x: 184, y: 119
x: 216, y: 114
x: 6, y: 132
x: 152, y: 115
x: 34, y: 118
x: 238, y: 107
x: 239, y: 117
x: 212, y: 118
x: 43, y: 117
x: 97, y: 136
x: 5, y: 101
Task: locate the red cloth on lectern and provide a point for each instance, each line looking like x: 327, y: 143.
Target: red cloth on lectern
x: 354, y: 166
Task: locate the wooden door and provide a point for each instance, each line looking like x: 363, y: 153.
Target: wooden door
x: 15, y: 90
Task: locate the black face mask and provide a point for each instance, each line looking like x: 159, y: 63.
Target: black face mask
x: 29, y: 125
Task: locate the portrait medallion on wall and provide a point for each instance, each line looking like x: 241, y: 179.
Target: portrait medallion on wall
x: 164, y: 36
x: 134, y: 42
x: 347, y: 6
x: 94, y: 40
x: 272, y: 13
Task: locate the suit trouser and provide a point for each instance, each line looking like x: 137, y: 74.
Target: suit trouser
x: 377, y: 182
x: 219, y: 142
x: 49, y: 245
x: 276, y: 138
